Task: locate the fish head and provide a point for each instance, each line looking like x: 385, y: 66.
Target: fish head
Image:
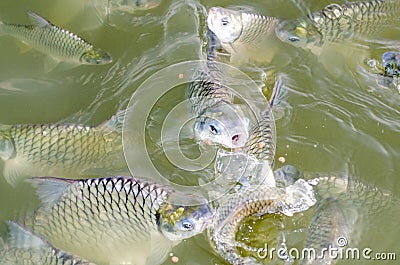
x: 223, y: 124
x: 178, y: 222
x: 95, y: 56
x: 225, y: 23
x: 298, y: 33
x: 7, y: 149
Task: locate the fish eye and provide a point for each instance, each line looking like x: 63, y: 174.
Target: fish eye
x: 225, y: 21
x: 293, y: 39
x: 213, y: 129
x: 187, y: 225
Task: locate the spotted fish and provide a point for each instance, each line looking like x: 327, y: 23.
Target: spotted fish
x: 117, y: 220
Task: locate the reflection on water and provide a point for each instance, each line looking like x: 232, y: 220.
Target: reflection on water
x: 337, y: 115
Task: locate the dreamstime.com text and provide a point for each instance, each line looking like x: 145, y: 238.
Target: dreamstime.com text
x: 341, y: 252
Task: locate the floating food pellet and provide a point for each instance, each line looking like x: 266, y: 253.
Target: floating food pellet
x: 180, y: 76
x: 174, y: 259
x: 260, y: 144
x: 208, y: 142
x: 281, y: 159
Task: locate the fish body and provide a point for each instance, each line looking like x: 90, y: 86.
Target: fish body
x: 218, y: 119
x: 27, y: 248
x: 61, y: 44
x: 243, y: 33
x: 332, y: 223
x: 116, y: 219
x: 59, y: 149
x: 250, y: 201
x: 335, y: 22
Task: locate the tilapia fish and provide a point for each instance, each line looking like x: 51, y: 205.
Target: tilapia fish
x: 59, y: 43
x: 26, y: 248
x: 243, y: 33
x: 336, y: 22
x: 254, y: 200
x: 117, y: 220
x: 218, y: 119
x: 61, y: 149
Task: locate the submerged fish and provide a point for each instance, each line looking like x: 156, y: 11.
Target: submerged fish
x: 26, y: 248
x: 59, y: 43
x: 218, y: 119
x: 243, y: 33
x: 331, y: 225
x: 117, y: 220
x: 132, y: 5
x: 61, y: 149
x: 254, y: 200
x: 336, y: 22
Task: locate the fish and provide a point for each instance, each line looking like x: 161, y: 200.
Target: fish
x: 25, y: 247
x: 61, y: 149
x: 59, y: 43
x: 217, y: 119
x: 243, y: 34
x: 255, y: 200
x: 253, y: 163
x: 332, y: 223
x: 336, y: 22
x: 117, y: 220
x: 344, y: 204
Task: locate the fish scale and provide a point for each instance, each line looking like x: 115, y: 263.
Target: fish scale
x: 52, y: 38
x: 338, y: 22
x: 254, y: 200
x: 25, y: 247
x: 60, y: 149
x: 115, y: 219
x: 139, y: 208
x: 254, y: 26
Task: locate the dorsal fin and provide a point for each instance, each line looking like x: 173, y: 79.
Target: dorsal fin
x: 22, y: 238
x: 49, y: 189
x: 37, y: 20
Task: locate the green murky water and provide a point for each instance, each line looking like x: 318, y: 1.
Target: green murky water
x: 336, y: 116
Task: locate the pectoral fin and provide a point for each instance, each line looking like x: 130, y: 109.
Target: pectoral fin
x: 160, y: 247
x: 14, y: 170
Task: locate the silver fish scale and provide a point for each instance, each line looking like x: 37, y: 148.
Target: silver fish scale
x: 67, y: 145
x: 51, y: 39
x: 205, y: 91
x: 261, y: 140
x: 254, y: 26
x: 48, y: 256
x: 108, y: 207
x: 263, y: 199
x: 366, y: 197
x: 253, y: 200
x: 335, y: 21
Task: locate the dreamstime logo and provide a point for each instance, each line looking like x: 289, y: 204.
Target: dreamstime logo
x: 150, y: 93
x: 338, y: 251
